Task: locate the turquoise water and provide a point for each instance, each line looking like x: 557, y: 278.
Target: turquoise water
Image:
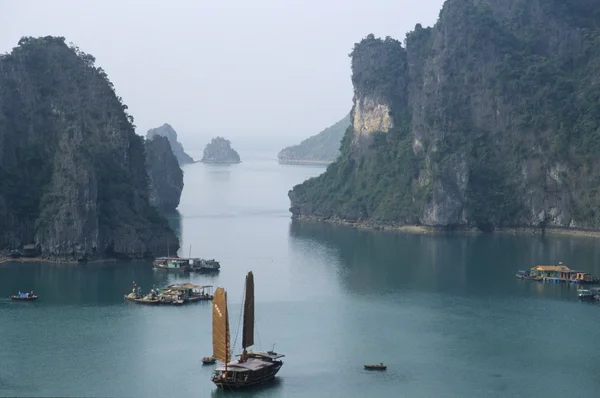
x: 445, y: 313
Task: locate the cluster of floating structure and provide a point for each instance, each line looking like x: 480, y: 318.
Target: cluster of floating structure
x: 557, y: 274
x: 172, y: 294
x: 190, y: 264
x: 562, y: 274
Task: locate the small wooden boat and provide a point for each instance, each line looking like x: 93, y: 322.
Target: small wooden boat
x: 253, y: 367
x: 381, y: 366
x: 208, y: 360
x: 25, y: 298
x: 585, y: 294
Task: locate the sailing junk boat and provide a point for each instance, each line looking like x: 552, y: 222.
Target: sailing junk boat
x: 253, y: 367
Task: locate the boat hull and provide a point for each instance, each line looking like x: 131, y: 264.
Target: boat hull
x: 239, y: 384
x: 375, y: 367
x: 16, y: 298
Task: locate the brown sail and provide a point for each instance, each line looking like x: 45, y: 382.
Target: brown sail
x: 248, y: 333
x: 220, y: 323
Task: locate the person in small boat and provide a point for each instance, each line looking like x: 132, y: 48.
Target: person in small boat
x: 244, y: 356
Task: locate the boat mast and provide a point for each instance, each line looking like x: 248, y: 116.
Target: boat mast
x: 226, y: 345
x: 248, y: 329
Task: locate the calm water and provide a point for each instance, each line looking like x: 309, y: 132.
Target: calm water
x: 445, y: 313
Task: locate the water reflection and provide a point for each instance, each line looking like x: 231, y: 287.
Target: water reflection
x: 372, y: 262
x: 270, y: 389
x: 381, y: 262
x: 218, y: 173
x: 74, y: 284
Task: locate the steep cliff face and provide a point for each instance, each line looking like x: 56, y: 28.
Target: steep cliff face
x: 490, y: 118
x: 72, y: 169
x: 323, y: 147
x: 166, y: 177
x: 167, y: 131
x: 219, y: 150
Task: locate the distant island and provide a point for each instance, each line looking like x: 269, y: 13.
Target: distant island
x: 165, y: 174
x: 219, y: 150
x: 320, y: 148
x: 169, y: 132
x: 73, y: 178
x: 487, y: 120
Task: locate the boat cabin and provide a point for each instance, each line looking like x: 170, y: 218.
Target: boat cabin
x: 179, y: 263
x: 268, y: 356
x: 188, y: 291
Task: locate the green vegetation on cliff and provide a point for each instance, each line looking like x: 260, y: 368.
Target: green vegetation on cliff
x: 323, y: 147
x: 72, y: 169
x: 495, y: 122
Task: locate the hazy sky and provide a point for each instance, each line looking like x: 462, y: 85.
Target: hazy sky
x: 261, y: 67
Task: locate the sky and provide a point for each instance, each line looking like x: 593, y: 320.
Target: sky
x: 236, y: 68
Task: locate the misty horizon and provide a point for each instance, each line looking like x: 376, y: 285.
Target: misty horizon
x: 266, y: 70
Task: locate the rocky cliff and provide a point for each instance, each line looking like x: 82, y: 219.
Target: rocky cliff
x: 167, y: 131
x: 491, y: 118
x: 72, y: 169
x: 166, y: 176
x: 219, y: 150
x: 321, y: 148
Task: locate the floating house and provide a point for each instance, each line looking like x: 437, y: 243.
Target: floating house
x: 562, y: 273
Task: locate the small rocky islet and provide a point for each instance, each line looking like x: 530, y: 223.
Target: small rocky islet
x: 219, y: 151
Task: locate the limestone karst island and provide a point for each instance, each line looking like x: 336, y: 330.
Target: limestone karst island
x: 74, y: 179
x: 482, y: 121
x: 321, y: 148
x: 332, y: 199
x: 219, y: 151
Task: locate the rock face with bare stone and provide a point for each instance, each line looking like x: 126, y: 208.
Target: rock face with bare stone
x: 73, y: 180
x: 488, y: 119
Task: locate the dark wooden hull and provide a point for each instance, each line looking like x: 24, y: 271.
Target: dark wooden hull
x: 375, y: 367
x: 239, y: 384
x: 16, y: 298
